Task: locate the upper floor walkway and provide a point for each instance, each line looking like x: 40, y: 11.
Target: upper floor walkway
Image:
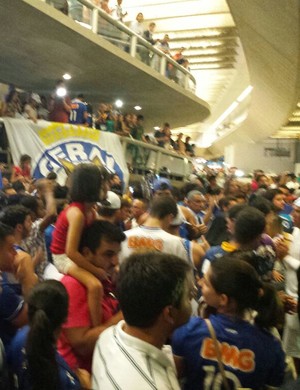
x: 39, y: 44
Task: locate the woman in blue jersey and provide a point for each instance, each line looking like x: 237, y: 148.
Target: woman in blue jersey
x: 33, y: 356
x: 251, y: 355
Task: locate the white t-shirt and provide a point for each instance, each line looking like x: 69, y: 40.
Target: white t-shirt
x: 125, y: 362
x: 292, y: 263
x: 153, y: 238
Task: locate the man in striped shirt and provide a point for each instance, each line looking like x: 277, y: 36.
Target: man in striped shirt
x: 154, y: 291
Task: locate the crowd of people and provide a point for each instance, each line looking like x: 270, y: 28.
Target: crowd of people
x: 77, y: 111
x: 108, y: 287
x: 80, y: 13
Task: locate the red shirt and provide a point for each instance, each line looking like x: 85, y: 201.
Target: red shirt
x: 79, y: 317
x: 59, y: 113
x: 59, y: 237
x: 22, y: 172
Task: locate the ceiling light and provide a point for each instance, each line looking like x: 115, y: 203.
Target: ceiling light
x: 156, y: 128
x: 138, y: 108
x: 245, y: 93
x: 67, y: 76
x: 119, y: 103
x: 61, y: 92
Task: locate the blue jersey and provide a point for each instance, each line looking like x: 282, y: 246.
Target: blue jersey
x: 11, y: 305
x: 18, y: 361
x: 78, y: 112
x: 252, y: 357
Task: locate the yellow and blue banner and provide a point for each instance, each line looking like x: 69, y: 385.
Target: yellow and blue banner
x: 59, y: 146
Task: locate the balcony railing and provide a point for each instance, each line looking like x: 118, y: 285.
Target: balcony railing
x: 142, y: 157
x: 97, y: 20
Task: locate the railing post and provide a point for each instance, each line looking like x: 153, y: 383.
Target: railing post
x: 95, y: 17
x: 186, y: 167
x: 133, y: 43
x: 157, y: 163
x: 163, y: 65
x: 124, y: 146
x: 186, y: 81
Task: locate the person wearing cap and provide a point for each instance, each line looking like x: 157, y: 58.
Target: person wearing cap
x: 162, y: 186
x: 290, y: 255
x: 31, y: 108
x: 108, y: 209
x: 78, y: 114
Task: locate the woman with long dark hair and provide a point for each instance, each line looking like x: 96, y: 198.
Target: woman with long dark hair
x: 250, y: 354
x: 33, y: 355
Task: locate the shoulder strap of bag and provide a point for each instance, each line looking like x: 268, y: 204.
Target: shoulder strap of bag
x: 218, y: 352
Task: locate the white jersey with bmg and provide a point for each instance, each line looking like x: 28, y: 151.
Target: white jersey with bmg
x: 153, y: 238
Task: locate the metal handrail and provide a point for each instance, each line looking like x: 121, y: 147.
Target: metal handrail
x: 136, y: 40
x: 186, y: 165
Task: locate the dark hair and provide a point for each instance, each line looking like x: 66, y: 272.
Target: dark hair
x: 249, y: 225
x: 52, y: 175
x: 14, y: 215
x: 214, y: 191
x: 262, y: 204
x: 259, y: 176
x: 47, y: 310
x: 284, y: 186
x: 147, y: 283
x: 98, y: 231
x: 18, y: 186
x: 235, y: 210
x: 60, y: 192
x: 106, y: 212
x: 5, y: 231
x: 239, y: 281
x: 270, y: 194
x: 24, y: 158
x: 86, y: 182
x: 163, y: 206
x: 140, y: 117
x: 30, y: 202
x: 225, y: 202
x: 10, y: 95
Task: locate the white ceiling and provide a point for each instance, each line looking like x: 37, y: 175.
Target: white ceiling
x: 270, y: 32
x: 207, y: 30
x: 268, y: 29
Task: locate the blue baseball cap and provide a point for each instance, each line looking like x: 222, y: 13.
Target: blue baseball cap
x: 162, y: 184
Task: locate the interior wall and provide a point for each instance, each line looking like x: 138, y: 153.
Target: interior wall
x: 273, y: 156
